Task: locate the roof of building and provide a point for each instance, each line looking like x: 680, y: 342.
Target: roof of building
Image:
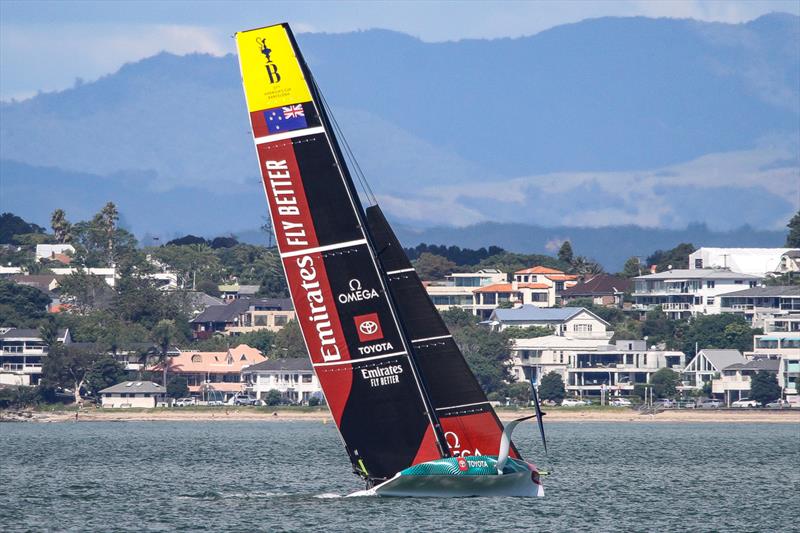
x: 231, y: 361
x: 508, y: 287
x: 599, y: 285
x: 774, y: 290
x: 26, y: 333
x: 770, y: 365
x: 531, y: 313
x: 749, y: 260
x: 722, y: 358
x: 290, y: 364
x: 228, y: 312
x: 559, y: 342
x: 539, y: 270
x: 201, y: 299
x: 144, y: 387
x: 700, y: 273
x: 561, y: 277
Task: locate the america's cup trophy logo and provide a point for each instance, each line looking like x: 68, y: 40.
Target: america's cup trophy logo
x: 272, y: 68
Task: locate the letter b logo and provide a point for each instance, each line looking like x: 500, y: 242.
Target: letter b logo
x: 272, y: 72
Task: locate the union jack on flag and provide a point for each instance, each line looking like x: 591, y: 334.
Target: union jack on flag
x: 293, y: 111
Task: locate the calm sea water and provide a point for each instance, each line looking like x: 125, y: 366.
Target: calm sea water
x: 290, y: 476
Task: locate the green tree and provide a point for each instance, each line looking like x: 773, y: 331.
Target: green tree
x: 433, y: 267
x: 565, y: 254
x: 520, y: 392
x: 511, y: 262
x: 725, y: 331
x: 164, y: 335
x: 67, y: 366
x: 288, y: 342
x: 632, y: 268
x: 21, y: 305
x: 793, y: 237
x: 85, y: 292
x: 665, y: 382
x: 551, y: 387
x: 11, y: 225
x: 677, y: 257
x: 486, y: 351
x: 177, y: 386
x: 764, y: 387
x: 658, y: 328
x: 104, y: 372
x: 530, y: 332
x: 62, y: 229
x: 584, y: 266
x: 274, y: 397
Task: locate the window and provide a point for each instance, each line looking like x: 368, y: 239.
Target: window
x: 490, y: 298
x: 710, y: 284
x: 753, y: 284
x: 644, y: 359
x: 306, y: 378
x: 280, y: 320
x: 698, y: 263
x: 197, y: 358
x: 710, y: 300
x: 582, y: 327
x: 561, y: 357
x: 260, y: 320
x: 738, y: 282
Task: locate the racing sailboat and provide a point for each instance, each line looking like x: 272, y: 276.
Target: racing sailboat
x: 413, y: 418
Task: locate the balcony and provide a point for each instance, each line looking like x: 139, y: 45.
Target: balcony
x: 22, y: 368
x: 676, y: 307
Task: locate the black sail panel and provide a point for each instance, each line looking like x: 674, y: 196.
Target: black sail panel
x: 350, y: 328
x: 468, y: 420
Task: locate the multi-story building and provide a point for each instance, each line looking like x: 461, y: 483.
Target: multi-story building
x: 574, y: 322
x: 760, y: 262
x: 783, y: 347
x: 686, y: 292
x: 209, y: 374
x: 22, y: 353
x: 591, y: 366
x: 243, y: 315
x: 459, y: 291
x: 782, y: 323
x: 761, y: 304
x: 294, y: 378
x: 733, y: 382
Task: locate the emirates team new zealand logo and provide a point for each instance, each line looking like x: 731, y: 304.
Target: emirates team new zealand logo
x: 272, y: 68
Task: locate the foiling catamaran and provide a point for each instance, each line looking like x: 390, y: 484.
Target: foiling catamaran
x: 411, y: 414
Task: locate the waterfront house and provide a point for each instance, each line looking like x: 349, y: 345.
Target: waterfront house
x: 682, y: 293
x: 759, y: 262
x: 708, y: 364
x: 733, y: 382
x: 294, y: 378
x: 243, y: 315
x: 760, y: 304
x: 214, y: 371
x: 602, y: 289
x: 22, y: 353
x: 576, y: 322
x: 591, y: 366
x: 130, y: 394
x: 783, y: 346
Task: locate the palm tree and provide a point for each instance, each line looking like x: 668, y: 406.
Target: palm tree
x: 164, y: 334
x: 61, y: 226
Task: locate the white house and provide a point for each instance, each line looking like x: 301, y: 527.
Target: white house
x: 707, y: 365
x: 783, y: 346
x: 733, y: 381
x: 294, y: 378
x: 683, y: 293
x: 761, y: 304
x: 22, y: 353
x: 133, y: 394
x: 590, y: 366
x: 458, y: 291
x: 576, y: 322
x: 759, y: 262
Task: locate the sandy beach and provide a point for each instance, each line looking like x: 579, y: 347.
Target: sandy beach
x: 223, y: 414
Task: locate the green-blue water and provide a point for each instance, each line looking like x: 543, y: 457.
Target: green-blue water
x: 289, y: 476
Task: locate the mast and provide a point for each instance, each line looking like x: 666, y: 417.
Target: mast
x: 441, y: 441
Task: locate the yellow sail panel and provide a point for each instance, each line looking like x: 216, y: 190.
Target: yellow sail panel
x: 270, y: 69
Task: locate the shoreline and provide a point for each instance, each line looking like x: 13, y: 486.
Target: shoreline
x: 241, y: 414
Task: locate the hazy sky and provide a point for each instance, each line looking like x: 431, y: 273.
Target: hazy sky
x: 46, y: 45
